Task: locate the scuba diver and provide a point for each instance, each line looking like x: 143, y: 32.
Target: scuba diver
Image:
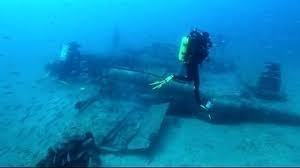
x: 193, y: 51
x: 69, y: 63
x: 71, y: 57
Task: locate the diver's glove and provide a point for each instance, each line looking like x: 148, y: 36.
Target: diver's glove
x: 159, y: 84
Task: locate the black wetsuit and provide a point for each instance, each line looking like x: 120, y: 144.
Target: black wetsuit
x: 72, y: 63
x: 70, y: 67
x: 197, y: 51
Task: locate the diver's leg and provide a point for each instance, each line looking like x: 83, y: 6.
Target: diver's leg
x: 187, y: 75
x: 195, y: 76
x: 181, y: 78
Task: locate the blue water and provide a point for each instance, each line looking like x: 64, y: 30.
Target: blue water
x: 33, y: 31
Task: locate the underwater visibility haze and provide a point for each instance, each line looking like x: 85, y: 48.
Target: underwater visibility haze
x: 95, y: 83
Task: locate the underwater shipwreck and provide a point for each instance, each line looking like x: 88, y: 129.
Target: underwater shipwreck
x: 118, y: 112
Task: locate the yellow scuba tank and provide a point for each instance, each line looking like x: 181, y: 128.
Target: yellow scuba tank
x: 64, y: 52
x: 183, y: 49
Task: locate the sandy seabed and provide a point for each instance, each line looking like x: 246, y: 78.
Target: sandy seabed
x: 35, y: 114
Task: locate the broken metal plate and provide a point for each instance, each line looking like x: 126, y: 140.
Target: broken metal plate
x: 136, y: 130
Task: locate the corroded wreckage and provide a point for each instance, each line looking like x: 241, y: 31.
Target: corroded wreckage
x: 126, y: 115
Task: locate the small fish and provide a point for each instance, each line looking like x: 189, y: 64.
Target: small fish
x: 7, y: 86
x: 16, y: 73
x: 73, y: 72
x: 64, y: 82
x: 88, y: 141
x: 268, y: 46
x: 6, y: 37
x: 80, y: 155
x: 2, y: 55
x: 8, y: 93
x: 83, y: 62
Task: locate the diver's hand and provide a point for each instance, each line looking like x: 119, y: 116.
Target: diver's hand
x: 159, y: 84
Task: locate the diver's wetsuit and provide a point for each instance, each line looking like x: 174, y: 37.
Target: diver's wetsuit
x: 72, y: 63
x: 197, y: 51
x: 71, y: 66
x: 192, y: 74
